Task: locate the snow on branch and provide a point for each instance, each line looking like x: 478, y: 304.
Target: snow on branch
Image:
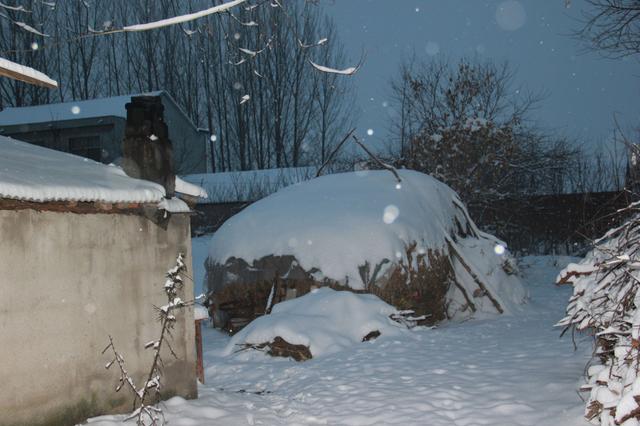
x: 346, y: 71
x: 252, y: 54
x: 243, y: 23
x: 14, y: 8
x: 30, y: 29
x: 606, y: 304
x: 320, y: 42
x: 183, y: 18
x: 25, y: 74
x: 145, y: 413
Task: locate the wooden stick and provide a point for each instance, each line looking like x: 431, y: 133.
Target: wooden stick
x: 334, y: 152
x: 463, y: 291
x: 377, y: 160
x: 486, y: 292
x: 199, y: 363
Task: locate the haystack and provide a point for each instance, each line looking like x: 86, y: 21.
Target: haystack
x: 411, y: 242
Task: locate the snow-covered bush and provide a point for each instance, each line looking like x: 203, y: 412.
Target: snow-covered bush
x: 606, y: 303
x: 411, y: 242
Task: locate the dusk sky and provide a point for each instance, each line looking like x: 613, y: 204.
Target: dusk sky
x: 583, y: 88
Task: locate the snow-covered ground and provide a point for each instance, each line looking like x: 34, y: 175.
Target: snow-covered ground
x: 510, y: 370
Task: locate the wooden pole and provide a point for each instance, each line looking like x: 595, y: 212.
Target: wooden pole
x: 199, y: 362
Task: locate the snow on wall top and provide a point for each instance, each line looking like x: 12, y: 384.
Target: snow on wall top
x: 32, y: 173
x: 252, y: 185
x: 187, y: 188
x: 338, y: 222
x: 105, y: 107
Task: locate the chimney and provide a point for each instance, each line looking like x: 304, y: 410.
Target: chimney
x: 146, y: 149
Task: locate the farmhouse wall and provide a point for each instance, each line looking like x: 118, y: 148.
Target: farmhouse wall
x: 70, y: 282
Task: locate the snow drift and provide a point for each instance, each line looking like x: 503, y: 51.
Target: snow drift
x: 410, y: 242
x: 324, y: 320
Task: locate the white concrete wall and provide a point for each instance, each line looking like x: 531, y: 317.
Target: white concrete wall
x: 67, y: 282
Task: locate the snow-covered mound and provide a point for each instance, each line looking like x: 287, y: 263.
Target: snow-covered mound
x: 325, y: 320
x: 338, y: 222
x: 362, y: 230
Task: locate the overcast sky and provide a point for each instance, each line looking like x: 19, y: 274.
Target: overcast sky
x: 584, y: 89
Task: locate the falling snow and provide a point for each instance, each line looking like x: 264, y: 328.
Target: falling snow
x: 390, y: 214
x: 432, y: 48
x: 511, y: 15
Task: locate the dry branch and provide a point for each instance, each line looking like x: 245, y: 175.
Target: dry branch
x: 485, y: 291
x: 377, y: 160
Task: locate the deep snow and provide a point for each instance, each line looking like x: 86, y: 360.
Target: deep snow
x: 506, y: 371
x: 325, y: 320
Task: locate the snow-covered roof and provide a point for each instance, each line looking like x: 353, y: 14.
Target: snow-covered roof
x: 32, y: 173
x: 249, y: 185
x: 75, y: 110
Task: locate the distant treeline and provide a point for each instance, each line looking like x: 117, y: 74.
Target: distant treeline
x: 246, y: 76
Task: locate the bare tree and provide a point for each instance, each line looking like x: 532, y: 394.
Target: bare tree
x: 268, y: 107
x: 467, y: 124
x: 244, y: 72
x: 612, y: 26
x: 22, y: 32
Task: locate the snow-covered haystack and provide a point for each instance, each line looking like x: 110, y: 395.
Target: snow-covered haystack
x: 606, y: 302
x: 411, y: 242
x: 321, y: 322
